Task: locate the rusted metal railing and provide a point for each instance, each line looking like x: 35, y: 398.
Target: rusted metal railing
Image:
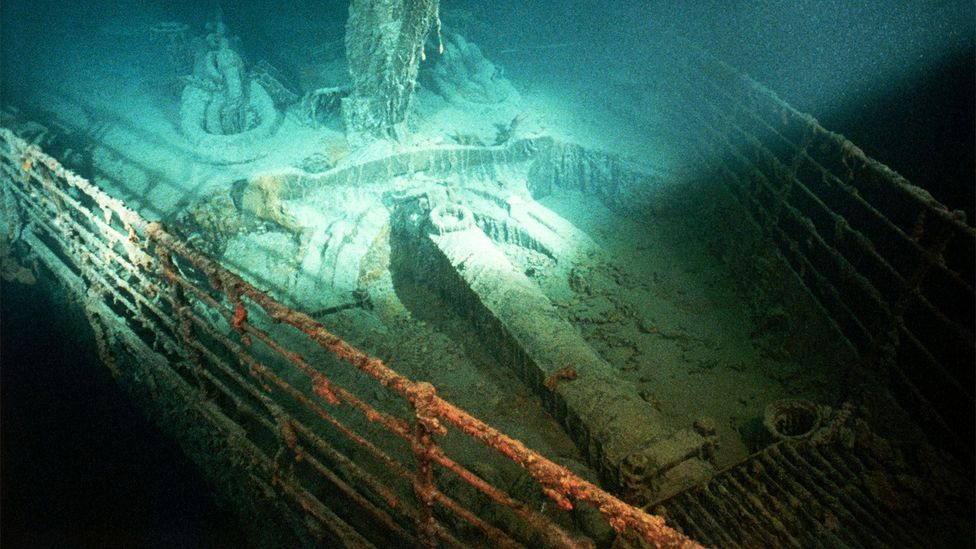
x: 238, y: 347
x: 891, y: 266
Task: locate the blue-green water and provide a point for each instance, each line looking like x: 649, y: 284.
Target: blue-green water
x: 80, y: 466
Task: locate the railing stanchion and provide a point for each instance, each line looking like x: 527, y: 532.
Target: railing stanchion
x: 182, y: 309
x: 425, y: 426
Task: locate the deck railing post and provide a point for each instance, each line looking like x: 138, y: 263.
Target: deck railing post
x: 425, y: 425
x: 181, y: 307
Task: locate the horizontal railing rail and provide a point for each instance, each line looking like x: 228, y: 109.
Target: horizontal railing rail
x: 278, y: 374
x: 889, y: 264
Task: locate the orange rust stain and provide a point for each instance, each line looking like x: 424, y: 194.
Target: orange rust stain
x: 567, y: 373
x: 324, y: 390
x: 240, y: 315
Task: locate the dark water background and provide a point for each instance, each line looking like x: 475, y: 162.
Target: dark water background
x: 82, y: 467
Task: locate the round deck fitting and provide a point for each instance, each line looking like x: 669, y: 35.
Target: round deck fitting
x: 791, y: 419
x: 229, y: 148
x: 448, y: 218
